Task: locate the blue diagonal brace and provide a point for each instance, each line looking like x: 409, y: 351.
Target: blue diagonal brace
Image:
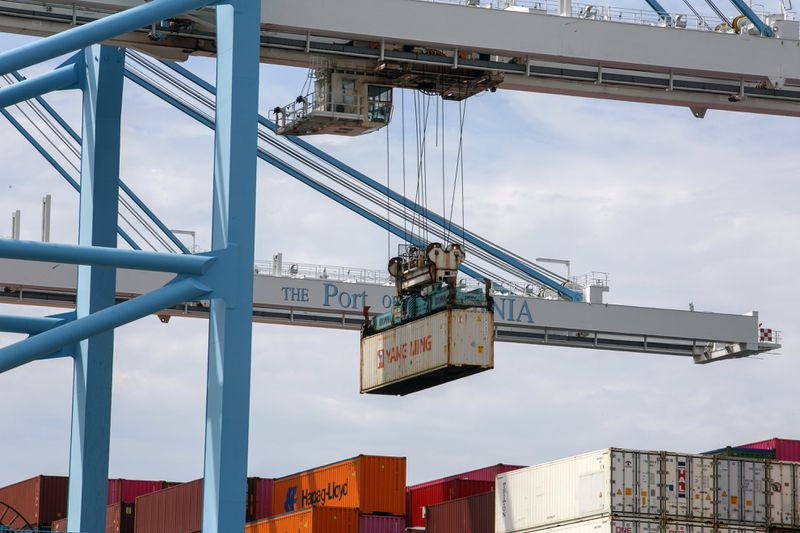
x: 27, y: 324
x: 659, y: 9
x: 77, y: 138
x: 94, y: 32
x: 57, y: 166
x: 66, y: 77
x: 43, y: 344
x: 745, y: 10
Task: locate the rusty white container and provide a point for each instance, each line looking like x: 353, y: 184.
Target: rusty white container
x: 622, y: 525
x: 427, y: 352
x: 647, y: 485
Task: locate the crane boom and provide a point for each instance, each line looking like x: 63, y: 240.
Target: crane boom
x: 332, y: 303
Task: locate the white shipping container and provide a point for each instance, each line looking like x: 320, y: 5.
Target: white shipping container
x: 644, y: 485
x: 609, y: 525
x: 429, y: 351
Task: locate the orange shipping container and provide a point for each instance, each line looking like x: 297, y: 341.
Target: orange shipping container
x: 314, y: 520
x: 372, y: 484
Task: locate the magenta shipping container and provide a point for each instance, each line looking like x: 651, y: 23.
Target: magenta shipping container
x: 488, y: 473
x: 381, y: 524
x: 785, y: 449
x: 127, y: 490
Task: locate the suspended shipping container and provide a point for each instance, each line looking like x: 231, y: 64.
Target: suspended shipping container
x: 419, y: 498
x: 486, y: 473
x: 785, y: 449
x: 473, y: 514
x: 621, y: 525
x: 381, y: 524
x: 646, y: 485
x: 40, y: 500
x: 372, y: 484
x: 427, y: 352
x: 313, y: 520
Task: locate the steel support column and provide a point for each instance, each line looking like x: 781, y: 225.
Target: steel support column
x: 233, y: 230
x: 91, y: 396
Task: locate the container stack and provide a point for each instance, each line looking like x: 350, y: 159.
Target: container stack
x: 40, y: 500
x: 119, y: 519
x: 422, y: 495
x: 631, y: 491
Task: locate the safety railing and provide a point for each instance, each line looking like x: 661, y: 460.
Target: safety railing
x: 323, y: 272
x: 647, y: 17
x: 345, y: 106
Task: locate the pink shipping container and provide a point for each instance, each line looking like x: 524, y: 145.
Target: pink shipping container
x: 488, y: 473
x: 381, y: 524
x: 785, y: 449
x: 127, y: 490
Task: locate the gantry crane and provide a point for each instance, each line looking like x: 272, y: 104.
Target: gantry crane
x: 451, y: 50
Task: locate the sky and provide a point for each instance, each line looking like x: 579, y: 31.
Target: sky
x: 675, y: 209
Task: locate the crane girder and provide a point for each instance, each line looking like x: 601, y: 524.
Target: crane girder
x: 530, y: 52
x: 337, y: 304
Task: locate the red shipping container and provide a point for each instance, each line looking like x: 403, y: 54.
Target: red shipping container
x: 785, y: 449
x: 381, y: 524
x: 177, y: 509
x: 474, y: 514
x: 40, y: 500
x: 259, y: 498
x: 443, y: 491
x: 119, y: 519
x: 127, y: 490
x: 487, y: 473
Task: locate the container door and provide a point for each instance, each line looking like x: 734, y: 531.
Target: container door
x: 676, y: 486
x: 701, y: 487
x: 623, y: 481
x: 729, y: 490
x: 780, y: 490
x: 754, y: 493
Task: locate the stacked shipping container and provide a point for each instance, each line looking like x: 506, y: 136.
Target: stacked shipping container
x: 119, y: 519
x: 785, y: 449
x: 639, y: 486
x: 419, y: 498
x: 179, y: 509
x: 371, y: 484
x: 312, y: 520
x: 40, y: 500
x: 473, y: 514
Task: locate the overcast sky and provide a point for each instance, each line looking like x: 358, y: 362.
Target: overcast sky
x: 676, y: 209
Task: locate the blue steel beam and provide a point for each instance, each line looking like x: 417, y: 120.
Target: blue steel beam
x: 659, y: 9
x: 28, y: 325
x: 448, y: 225
x: 39, y: 346
x: 133, y: 196
x: 60, y: 169
x: 745, y: 10
x: 65, y: 77
x: 94, y: 32
x: 105, y: 257
x: 230, y: 325
x: 96, y: 289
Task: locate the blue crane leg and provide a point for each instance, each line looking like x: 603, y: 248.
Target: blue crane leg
x: 233, y: 228
x: 91, y: 388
